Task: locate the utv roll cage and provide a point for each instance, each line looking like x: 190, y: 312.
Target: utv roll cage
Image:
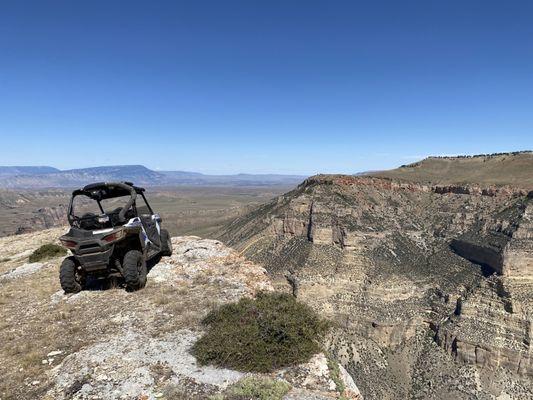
x: 108, y: 190
x: 122, y: 243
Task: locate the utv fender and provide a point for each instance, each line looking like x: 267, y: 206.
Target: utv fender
x: 135, y: 224
x: 166, y: 243
x: 133, y: 242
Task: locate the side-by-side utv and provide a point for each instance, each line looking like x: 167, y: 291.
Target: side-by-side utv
x: 113, y: 233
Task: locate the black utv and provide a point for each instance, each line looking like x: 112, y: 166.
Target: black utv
x: 114, y: 233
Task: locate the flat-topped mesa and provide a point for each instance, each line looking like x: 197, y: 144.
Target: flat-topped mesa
x: 405, y: 185
x: 502, y: 169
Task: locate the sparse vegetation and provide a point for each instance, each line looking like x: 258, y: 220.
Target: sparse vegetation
x: 261, y: 335
x: 256, y: 388
x: 47, y: 251
x: 335, y: 375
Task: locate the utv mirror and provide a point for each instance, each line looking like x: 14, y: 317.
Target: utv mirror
x: 157, y: 217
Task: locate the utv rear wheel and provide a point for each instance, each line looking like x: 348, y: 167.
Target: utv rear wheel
x: 134, y: 267
x: 68, y: 277
x: 166, y: 243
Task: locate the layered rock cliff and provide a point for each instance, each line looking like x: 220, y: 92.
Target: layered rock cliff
x: 416, y: 275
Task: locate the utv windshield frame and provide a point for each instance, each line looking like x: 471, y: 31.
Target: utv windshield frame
x: 108, y: 190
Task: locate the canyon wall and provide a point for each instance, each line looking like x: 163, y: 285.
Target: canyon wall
x: 395, y: 263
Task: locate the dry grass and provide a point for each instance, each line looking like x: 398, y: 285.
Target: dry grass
x: 181, y: 306
x: 29, y: 334
x: 32, y: 326
x: 36, y: 318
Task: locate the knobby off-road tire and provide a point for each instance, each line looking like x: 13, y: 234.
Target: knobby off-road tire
x: 134, y: 267
x: 166, y: 243
x: 70, y: 281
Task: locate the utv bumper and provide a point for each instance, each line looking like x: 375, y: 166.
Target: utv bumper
x: 97, y: 261
x: 93, y: 254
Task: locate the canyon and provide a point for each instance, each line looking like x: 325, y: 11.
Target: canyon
x: 426, y: 278
x: 429, y: 284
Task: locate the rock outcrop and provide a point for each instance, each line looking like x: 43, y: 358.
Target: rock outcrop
x: 503, y: 243
x: 490, y: 330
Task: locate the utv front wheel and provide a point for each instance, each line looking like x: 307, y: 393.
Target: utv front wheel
x: 134, y: 267
x: 68, y: 276
x: 166, y: 243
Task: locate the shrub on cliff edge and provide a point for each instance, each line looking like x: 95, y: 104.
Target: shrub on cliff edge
x: 260, y: 335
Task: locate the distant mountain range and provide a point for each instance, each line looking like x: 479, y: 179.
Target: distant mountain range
x: 28, y: 177
x: 12, y: 171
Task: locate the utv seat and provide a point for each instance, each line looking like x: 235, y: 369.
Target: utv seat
x: 89, y: 221
x: 114, y: 216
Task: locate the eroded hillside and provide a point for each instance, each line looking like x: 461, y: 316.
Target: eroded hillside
x: 431, y: 285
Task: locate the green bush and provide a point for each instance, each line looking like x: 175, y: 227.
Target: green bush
x: 257, y: 389
x: 47, y: 251
x: 335, y: 374
x: 260, y: 335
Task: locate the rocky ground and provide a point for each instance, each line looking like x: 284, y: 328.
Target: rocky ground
x: 110, y: 344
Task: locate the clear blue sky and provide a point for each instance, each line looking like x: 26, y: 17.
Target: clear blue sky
x: 273, y: 86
